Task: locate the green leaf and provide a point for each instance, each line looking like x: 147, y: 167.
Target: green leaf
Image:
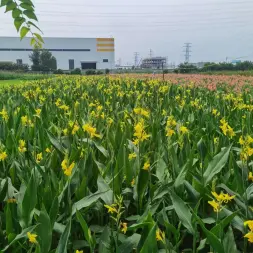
x: 4, y: 2
x: 101, y: 149
x: 8, y: 219
x: 30, y: 14
x: 86, y: 201
x: 44, y: 231
x: 150, y: 245
x: 16, y: 13
x: 32, y: 24
x: 225, y: 222
x: 23, y: 234
x: 4, y: 189
x: 54, y: 211
x: 211, y: 238
x: 38, y: 36
x: 29, y: 202
x: 216, y: 165
x: 23, y: 32
x: 182, y: 212
x: 142, y: 184
x: 10, y: 6
x: 27, y: 6
x: 18, y: 22
x: 57, y: 145
x: 129, y: 244
x: 160, y: 169
x: 229, y: 242
x: 105, y: 241
x: 86, y: 230
x: 181, y: 177
x: 63, y: 243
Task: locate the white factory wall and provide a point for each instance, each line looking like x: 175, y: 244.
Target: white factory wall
x: 62, y: 57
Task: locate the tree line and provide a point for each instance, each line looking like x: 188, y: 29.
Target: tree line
x: 211, y: 66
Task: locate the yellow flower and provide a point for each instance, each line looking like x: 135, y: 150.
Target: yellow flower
x: 39, y: 157
x: 170, y: 132
x: 3, y: 156
x: 91, y: 131
x: 123, y: 227
x: 79, y: 251
x: 110, y: 121
x: 21, y: 147
x: 140, y: 133
x: 171, y: 122
x: 11, y: 201
x: 160, y: 236
x: 111, y: 209
x: 249, y: 223
x: 142, y: 112
x: 183, y: 130
x: 146, y: 165
x: 250, y: 177
x: 132, y: 156
x: 133, y: 182
x: 65, y: 131
x: 32, y: 237
x: 249, y: 236
x: 222, y: 197
x: 4, y: 114
x: 38, y: 112
x: 75, y: 129
x: 48, y: 150
x: 77, y: 104
x: 67, y: 169
x: 216, y: 206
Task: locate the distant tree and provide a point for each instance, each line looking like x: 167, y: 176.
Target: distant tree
x: 35, y: 59
x: 186, y: 68
x: 47, y: 61
x: 43, y: 60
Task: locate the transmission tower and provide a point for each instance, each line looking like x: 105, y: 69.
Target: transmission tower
x: 151, y: 53
x: 136, y: 57
x: 187, y: 51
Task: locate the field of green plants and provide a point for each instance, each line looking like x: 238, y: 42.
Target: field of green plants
x: 127, y: 164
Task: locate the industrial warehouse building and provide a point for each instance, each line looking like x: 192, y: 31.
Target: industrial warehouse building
x: 70, y: 53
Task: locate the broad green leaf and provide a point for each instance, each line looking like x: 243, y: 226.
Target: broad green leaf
x: 211, y: 238
x: 182, y: 211
x: 44, y: 231
x: 86, y: 230
x: 10, y: 6
x: 129, y: 244
x: 38, y: 37
x: 8, y: 220
x: 16, y: 13
x: 27, y: 6
x: 216, y: 165
x: 30, y: 14
x: 56, y: 143
x: 18, y: 22
x: 150, y: 245
x: 29, y: 202
x: 54, y: 211
x: 101, y: 149
x: 160, y: 169
x: 32, y: 24
x: 86, y: 201
x: 105, y: 241
x: 63, y: 242
x: 24, y: 30
x: 4, y: 2
x: 229, y: 242
x: 222, y: 224
x: 3, y: 190
x: 181, y: 176
x: 142, y: 184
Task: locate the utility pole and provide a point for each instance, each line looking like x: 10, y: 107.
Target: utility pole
x: 187, y: 51
x: 136, y: 57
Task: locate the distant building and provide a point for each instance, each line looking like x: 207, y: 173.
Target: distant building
x: 70, y: 53
x: 154, y: 63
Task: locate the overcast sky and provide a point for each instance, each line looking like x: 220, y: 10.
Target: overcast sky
x: 216, y: 28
